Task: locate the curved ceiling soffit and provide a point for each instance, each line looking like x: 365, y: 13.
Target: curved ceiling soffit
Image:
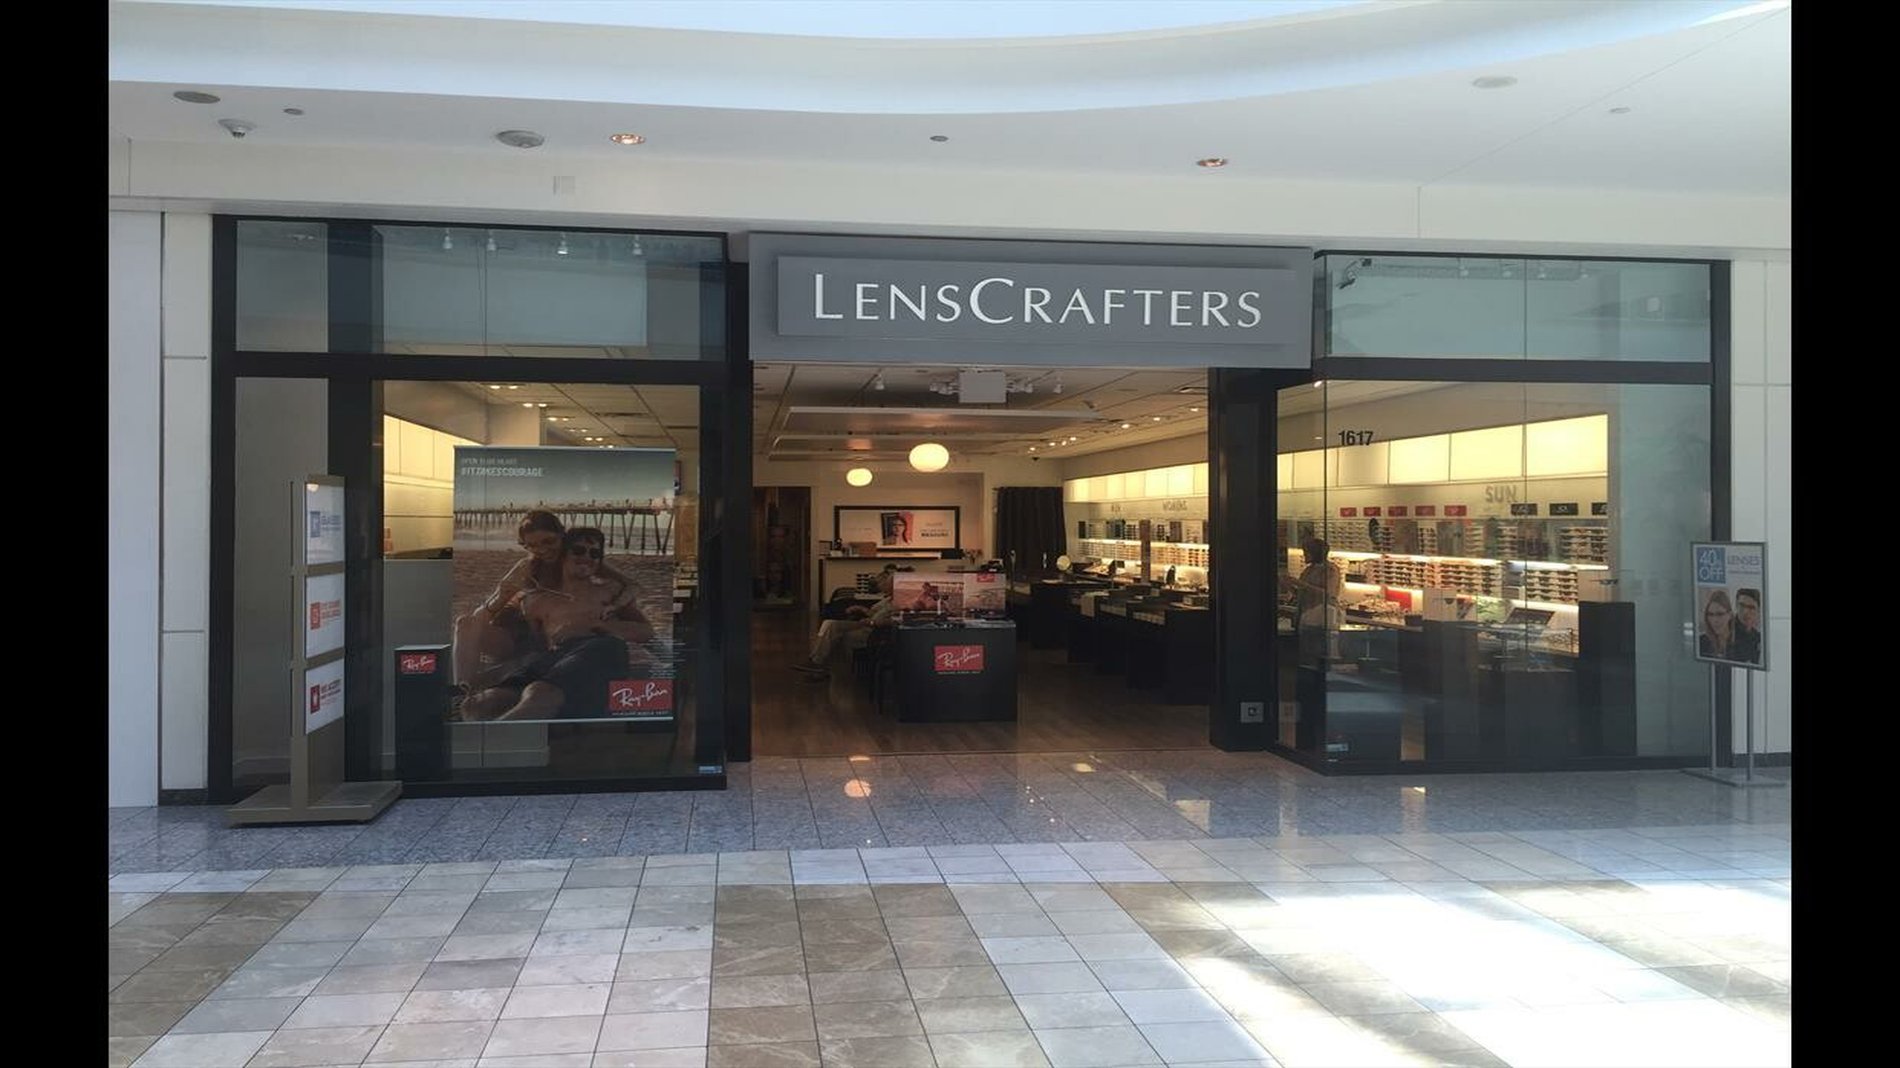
x: 1328, y: 48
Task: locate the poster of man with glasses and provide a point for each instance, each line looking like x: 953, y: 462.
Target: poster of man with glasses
x: 1730, y: 578
x: 563, y: 577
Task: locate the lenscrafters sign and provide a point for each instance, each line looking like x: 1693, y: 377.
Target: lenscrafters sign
x: 1009, y: 302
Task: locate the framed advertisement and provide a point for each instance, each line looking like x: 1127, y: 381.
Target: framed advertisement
x: 898, y: 527
x: 323, y: 615
x: 323, y: 522
x: 1730, y: 580
x: 564, y: 568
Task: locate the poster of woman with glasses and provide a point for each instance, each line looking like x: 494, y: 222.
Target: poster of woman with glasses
x: 564, y: 561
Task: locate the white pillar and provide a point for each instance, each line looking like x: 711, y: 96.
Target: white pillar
x: 133, y: 504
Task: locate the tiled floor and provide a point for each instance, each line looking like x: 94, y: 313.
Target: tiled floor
x: 934, y: 800
x: 1095, y: 909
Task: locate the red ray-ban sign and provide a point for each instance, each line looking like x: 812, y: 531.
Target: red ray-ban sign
x: 959, y: 659
x: 648, y: 697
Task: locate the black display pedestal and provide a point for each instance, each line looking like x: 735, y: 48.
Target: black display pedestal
x: 956, y: 672
x: 422, y: 706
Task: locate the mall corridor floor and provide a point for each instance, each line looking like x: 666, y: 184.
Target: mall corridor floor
x: 1076, y: 909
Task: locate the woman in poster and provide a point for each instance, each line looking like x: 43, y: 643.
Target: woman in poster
x: 896, y: 528
x: 1717, y: 640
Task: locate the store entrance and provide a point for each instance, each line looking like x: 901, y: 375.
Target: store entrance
x: 1043, y: 588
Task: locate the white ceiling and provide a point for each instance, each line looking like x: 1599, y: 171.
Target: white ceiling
x: 1101, y: 408
x: 617, y: 416
x: 1351, y: 92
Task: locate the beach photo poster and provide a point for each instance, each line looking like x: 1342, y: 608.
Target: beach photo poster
x: 564, y: 561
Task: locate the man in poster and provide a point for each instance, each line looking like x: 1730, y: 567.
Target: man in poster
x: 587, y: 637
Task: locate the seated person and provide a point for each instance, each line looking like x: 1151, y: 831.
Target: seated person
x: 492, y: 635
x: 854, y: 630
x: 583, y: 652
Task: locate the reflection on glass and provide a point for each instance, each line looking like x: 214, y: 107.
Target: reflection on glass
x: 1495, y: 583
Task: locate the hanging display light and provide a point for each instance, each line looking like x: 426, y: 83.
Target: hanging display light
x: 930, y: 456
x: 858, y: 476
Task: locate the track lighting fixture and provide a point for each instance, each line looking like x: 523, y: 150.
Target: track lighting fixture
x: 561, y: 249
x: 448, y: 240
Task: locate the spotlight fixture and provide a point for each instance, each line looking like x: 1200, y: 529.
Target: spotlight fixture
x: 627, y: 139
x: 1058, y: 384
x: 521, y: 139
x: 637, y: 250
x: 1211, y: 162
x: 1157, y: 419
x: 561, y: 249
x: 192, y: 96
x: 1052, y: 444
x: 1193, y: 409
x: 1032, y: 448
x: 858, y: 476
x: 1494, y: 81
x: 491, y: 240
x: 541, y: 404
x: 448, y: 241
x: 1128, y: 426
x: 877, y: 382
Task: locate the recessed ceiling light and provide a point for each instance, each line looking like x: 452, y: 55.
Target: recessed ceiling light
x: 527, y: 404
x: 628, y: 139
x: 939, y: 138
x: 1211, y: 162
x: 1193, y: 409
x: 192, y: 96
x: 1128, y: 426
x: 494, y: 387
x: 521, y: 139
x: 1494, y: 81
x: 293, y: 111
x: 514, y: 387
x: 1619, y: 111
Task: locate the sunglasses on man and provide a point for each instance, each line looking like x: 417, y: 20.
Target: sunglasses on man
x: 585, y: 550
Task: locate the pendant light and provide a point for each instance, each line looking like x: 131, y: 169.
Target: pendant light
x: 929, y: 456
x: 858, y: 476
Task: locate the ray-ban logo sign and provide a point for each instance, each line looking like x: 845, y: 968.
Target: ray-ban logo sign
x: 1059, y: 302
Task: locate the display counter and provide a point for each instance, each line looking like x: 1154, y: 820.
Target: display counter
x: 956, y: 672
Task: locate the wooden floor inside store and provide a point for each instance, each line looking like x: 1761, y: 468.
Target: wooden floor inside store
x: 1061, y: 707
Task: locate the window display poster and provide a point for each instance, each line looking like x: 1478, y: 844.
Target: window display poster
x: 898, y: 528
x: 323, y: 614
x: 927, y: 595
x: 323, y: 518
x: 323, y: 689
x: 1731, y: 585
x: 563, y: 584
x: 984, y: 594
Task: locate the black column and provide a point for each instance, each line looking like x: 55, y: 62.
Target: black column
x: 726, y: 548
x: 356, y: 456
x: 1243, y: 487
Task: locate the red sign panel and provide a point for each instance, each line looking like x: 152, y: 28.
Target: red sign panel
x: 1454, y: 509
x: 1424, y: 510
x: 1397, y: 511
x: 640, y: 697
x: 959, y: 659
x: 415, y: 663
x: 1348, y: 513
x: 1373, y: 511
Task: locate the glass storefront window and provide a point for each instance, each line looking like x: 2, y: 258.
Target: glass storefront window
x: 1503, y: 308
x: 542, y: 541
x: 1489, y: 571
x: 479, y: 291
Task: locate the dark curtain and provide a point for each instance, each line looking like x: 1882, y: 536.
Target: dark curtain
x: 1029, y: 523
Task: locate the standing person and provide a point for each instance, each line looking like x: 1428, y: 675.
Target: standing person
x: 1748, y: 625
x: 1717, y: 639
x: 854, y: 630
x: 1318, y: 587
x: 584, y: 642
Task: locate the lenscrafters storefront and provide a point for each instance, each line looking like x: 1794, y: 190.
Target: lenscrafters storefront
x: 421, y: 362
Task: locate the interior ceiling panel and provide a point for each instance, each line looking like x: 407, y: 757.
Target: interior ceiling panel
x: 874, y: 421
